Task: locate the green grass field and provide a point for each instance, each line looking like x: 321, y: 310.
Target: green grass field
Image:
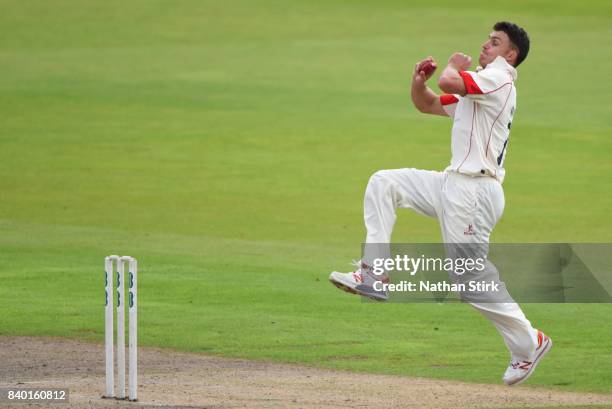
x: 227, y: 145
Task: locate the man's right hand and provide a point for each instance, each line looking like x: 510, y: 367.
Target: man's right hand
x: 423, y: 98
x: 419, y: 77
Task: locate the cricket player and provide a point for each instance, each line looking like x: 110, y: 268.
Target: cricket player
x: 467, y: 197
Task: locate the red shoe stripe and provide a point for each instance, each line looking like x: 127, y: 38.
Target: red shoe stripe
x: 539, y: 339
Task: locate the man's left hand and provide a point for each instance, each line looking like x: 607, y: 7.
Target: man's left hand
x: 460, y: 61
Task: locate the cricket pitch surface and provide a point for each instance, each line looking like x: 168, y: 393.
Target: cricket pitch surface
x: 170, y: 379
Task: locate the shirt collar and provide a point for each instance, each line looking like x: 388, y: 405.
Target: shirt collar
x: 501, y: 64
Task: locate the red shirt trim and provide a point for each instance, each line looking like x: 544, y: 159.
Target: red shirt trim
x: 470, y: 85
x: 496, y: 118
x: 448, y: 99
x: 471, y: 134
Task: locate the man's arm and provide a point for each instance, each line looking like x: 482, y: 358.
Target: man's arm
x: 424, y: 99
x: 450, y: 81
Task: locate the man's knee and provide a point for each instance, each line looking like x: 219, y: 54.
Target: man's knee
x: 380, y: 177
x: 380, y: 184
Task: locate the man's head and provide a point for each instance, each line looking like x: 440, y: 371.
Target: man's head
x: 507, y: 40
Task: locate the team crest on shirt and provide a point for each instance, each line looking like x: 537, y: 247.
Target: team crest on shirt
x: 470, y: 230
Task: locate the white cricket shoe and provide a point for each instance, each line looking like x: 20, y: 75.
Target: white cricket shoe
x: 518, y: 371
x: 361, y: 282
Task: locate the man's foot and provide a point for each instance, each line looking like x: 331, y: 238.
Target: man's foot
x: 519, y: 371
x: 361, y: 282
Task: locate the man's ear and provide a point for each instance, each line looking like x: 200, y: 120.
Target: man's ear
x: 512, y: 56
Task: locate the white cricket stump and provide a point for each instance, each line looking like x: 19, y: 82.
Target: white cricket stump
x: 109, y: 263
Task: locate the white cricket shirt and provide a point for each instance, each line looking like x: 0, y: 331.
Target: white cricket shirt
x: 482, y: 120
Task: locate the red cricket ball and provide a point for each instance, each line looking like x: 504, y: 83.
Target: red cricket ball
x: 428, y: 67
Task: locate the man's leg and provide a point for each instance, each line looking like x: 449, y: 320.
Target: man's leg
x: 471, y: 209
x: 386, y: 191
x: 519, y: 335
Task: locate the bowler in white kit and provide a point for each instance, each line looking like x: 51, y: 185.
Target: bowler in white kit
x: 466, y: 198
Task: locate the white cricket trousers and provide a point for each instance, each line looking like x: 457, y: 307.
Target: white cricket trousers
x: 467, y: 208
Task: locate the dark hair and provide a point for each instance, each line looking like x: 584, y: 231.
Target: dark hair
x: 518, y: 37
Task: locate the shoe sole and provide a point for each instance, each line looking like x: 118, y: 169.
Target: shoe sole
x: 348, y: 289
x: 544, y: 351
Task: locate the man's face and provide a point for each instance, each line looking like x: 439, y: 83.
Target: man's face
x: 497, y: 44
